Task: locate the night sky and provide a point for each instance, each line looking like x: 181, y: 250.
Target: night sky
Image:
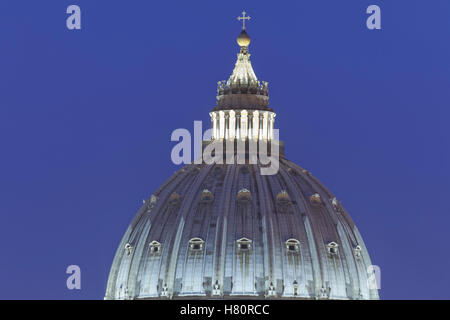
x: 86, y: 117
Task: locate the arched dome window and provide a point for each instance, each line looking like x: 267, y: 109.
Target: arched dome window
x: 295, y: 287
x: 155, y: 247
x: 292, y: 246
x: 315, y: 199
x: 332, y: 248
x: 165, y: 291
x: 357, y: 251
x: 196, y: 244
x: 244, y: 195
x: 174, y: 198
x: 283, y: 197
x: 283, y: 202
x: 271, y: 291
x: 216, y: 289
x: 128, y: 249
x: 206, y: 196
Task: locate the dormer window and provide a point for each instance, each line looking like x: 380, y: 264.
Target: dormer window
x: 283, y: 197
x: 216, y: 289
x: 292, y: 246
x: 271, y: 292
x: 174, y: 199
x: 357, y: 251
x: 155, y: 247
x: 283, y: 201
x: 196, y: 244
x: 295, y: 287
x: 165, y: 291
x: 128, y: 249
x: 244, y: 195
x: 332, y: 248
x: 244, y: 244
x: 315, y: 199
x: 206, y: 196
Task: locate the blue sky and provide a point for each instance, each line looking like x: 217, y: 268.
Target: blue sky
x: 86, y: 118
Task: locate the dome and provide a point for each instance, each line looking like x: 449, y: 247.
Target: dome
x: 243, y: 39
x: 226, y: 231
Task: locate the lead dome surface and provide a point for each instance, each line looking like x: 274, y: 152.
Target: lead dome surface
x: 226, y: 231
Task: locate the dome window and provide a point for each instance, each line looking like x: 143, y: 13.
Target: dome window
x: 283, y: 197
x: 244, y: 244
x: 271, y: 292
x: 174, y: 198
x: 332, y: 248
x: 283, y: 202
x: 128, y: 249
x: 295, y: 287
x: 315, y: 199
x: 206, y: 196
x: 165, y: 291
x: 155, y: 247
x: 196, y: 244
x: 292, y: 246
x: 324, y: 292
x: 244, y: 195
x: 357, y: 251
x: 216, y: 289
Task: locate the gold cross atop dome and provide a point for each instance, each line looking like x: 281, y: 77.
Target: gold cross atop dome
x: 243, y: 18
x: 243, y: 40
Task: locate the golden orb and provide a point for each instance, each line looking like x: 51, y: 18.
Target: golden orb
x: 244, y: 39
